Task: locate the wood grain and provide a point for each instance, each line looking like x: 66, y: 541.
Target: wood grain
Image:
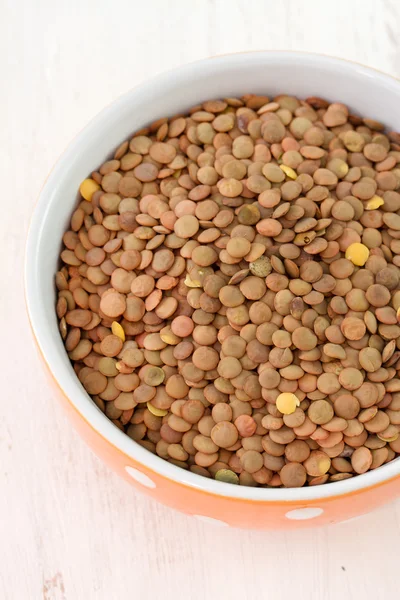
x: 69, y: 528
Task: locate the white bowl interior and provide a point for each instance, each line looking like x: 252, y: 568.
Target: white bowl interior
x: 365, y: 91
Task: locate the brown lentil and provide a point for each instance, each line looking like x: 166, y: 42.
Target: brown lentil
x: 229, y: 291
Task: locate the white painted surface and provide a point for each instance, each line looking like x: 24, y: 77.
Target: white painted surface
x: 69, y: 528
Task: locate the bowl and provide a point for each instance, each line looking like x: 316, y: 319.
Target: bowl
x: 367, y: 92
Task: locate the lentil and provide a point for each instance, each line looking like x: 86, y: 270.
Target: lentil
x: 229, y: 291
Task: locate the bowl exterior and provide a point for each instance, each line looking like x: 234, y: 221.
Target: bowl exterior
x: 366, y: 92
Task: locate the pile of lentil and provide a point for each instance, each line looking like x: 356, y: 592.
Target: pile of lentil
x: 229, y: 295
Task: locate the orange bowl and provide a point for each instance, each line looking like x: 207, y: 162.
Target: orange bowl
x: 366, y: 91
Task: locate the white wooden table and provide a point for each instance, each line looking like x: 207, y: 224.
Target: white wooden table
x: 69, y: 528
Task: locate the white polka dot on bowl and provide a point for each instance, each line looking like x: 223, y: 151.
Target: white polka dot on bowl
x: 140, y: 477
x: 211, y: 520
x: 303, y: 514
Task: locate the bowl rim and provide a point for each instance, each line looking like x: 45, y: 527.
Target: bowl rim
x: 78, y: 399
